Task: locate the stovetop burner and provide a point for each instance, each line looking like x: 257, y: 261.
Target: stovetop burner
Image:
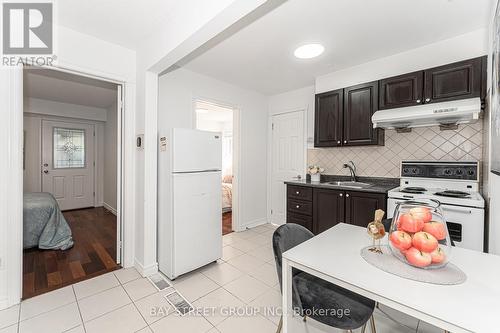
x: 414, y: 190
x: 453, y: 194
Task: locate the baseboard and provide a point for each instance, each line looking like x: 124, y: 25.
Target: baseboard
x: 146, y: 270
x: 253, y: 224
x: 111, y: 209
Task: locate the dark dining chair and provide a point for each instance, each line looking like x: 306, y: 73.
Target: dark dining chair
x: 310, y: 292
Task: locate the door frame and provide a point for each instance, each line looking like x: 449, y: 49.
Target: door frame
x: 302, y: 110
x: 236, y: 221
x: 15, y: 258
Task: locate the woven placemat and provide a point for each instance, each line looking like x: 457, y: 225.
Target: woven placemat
x: 386, y: 261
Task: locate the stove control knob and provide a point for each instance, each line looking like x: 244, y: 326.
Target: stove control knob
x: 405, y: 171
x: 459, y: 172
x: 470, y: 172
x: 414, y: 170
x: 447, y: 172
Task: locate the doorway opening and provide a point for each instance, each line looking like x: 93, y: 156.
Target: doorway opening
x: 72, y: 179
x: 220, y: 118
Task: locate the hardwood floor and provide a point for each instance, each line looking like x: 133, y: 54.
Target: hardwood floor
x: 94, y: 253
x: 227, y: 224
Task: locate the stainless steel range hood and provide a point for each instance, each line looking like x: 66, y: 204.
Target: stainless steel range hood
x: 446, y: 113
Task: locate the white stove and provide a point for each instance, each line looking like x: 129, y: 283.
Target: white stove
x: 456, y: 186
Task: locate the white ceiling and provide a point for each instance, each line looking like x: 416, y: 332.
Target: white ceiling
x: 123, y: 22
x: 260, y: 56
x: 68, y: 88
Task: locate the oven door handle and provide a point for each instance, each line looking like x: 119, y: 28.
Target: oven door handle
x: 459, y: 210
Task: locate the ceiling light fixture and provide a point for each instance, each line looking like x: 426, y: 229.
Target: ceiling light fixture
x: 309, y: 51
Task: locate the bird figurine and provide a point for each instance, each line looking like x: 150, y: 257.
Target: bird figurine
x: 376, y: 230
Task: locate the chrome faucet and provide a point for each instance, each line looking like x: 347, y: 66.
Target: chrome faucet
x: 352, y: 169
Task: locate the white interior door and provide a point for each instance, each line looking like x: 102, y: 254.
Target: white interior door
x: 68, y: 163
x: 287, y: 159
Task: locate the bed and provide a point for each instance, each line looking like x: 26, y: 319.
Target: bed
x: 44, y: 225
x: 227, y: 194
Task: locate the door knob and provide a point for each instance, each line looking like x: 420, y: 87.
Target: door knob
x: 299, y: 177
x: 45, y: 171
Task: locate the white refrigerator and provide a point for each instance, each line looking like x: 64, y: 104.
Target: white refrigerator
x: 189, y: 200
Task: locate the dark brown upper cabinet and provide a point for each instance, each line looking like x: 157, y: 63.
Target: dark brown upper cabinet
x: 360, y: 103
x: 401, y: 91
x: 328, y: 119
x: 464, y: 79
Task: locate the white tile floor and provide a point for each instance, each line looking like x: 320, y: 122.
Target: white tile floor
x: 122, y: 301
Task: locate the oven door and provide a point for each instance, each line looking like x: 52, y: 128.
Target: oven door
x: 465, y: 224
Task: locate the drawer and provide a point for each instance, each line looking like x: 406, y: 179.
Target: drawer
x: 303, y: 220
x: 300, y: 207
x: 299, y: 192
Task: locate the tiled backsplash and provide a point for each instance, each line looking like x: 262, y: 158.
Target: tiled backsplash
x: 427, y: 143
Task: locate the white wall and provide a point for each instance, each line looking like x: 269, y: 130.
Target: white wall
x: 192, y: 24
x: 58, y: 109
x: 110, y: 160
x: 470, y: 45
x: 177, y: 91
x: 300, y: 99
x: 493, y: 193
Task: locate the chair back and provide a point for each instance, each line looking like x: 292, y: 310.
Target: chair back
x: 286, y: 237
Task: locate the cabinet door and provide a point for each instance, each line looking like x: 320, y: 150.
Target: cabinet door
x: 400, y: 91
x: 328, y: 119
x: 459, y: 80
x: 360, y: 103
x: 360, y: 207
x: 328, y: 209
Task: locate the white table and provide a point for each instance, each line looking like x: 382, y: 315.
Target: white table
x: 334, y: 256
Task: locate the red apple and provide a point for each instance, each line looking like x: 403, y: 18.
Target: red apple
x: 424, y: 241
x: 401, y: 240
x: 436, y: 229
x: 438, y: 256
x: 418, y: 258
x: 423, y: 213
x: 409, y: 223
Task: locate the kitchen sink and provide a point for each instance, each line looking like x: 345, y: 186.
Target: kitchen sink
x: 350, y: 184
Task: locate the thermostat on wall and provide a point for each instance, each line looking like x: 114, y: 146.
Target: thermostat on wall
x: 139, y: 141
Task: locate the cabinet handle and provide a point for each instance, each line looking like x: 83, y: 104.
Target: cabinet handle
x: 341, y: 195
x: 419, y: 101
x: 347, y: 195
x: 297, y: 192
x: 338, y: 142
x: 345, y: 141
x: 427, y: 99
x: 297, y: 206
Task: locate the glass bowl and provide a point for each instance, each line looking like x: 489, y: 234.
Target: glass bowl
x: 419, y: 235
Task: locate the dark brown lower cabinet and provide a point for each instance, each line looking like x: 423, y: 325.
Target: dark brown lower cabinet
x: 319, y: 209
x: 303, y: 220
x: 328, y: 209
x: 361, y: 206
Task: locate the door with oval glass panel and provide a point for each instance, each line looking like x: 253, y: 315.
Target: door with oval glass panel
x: 68, y: 163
